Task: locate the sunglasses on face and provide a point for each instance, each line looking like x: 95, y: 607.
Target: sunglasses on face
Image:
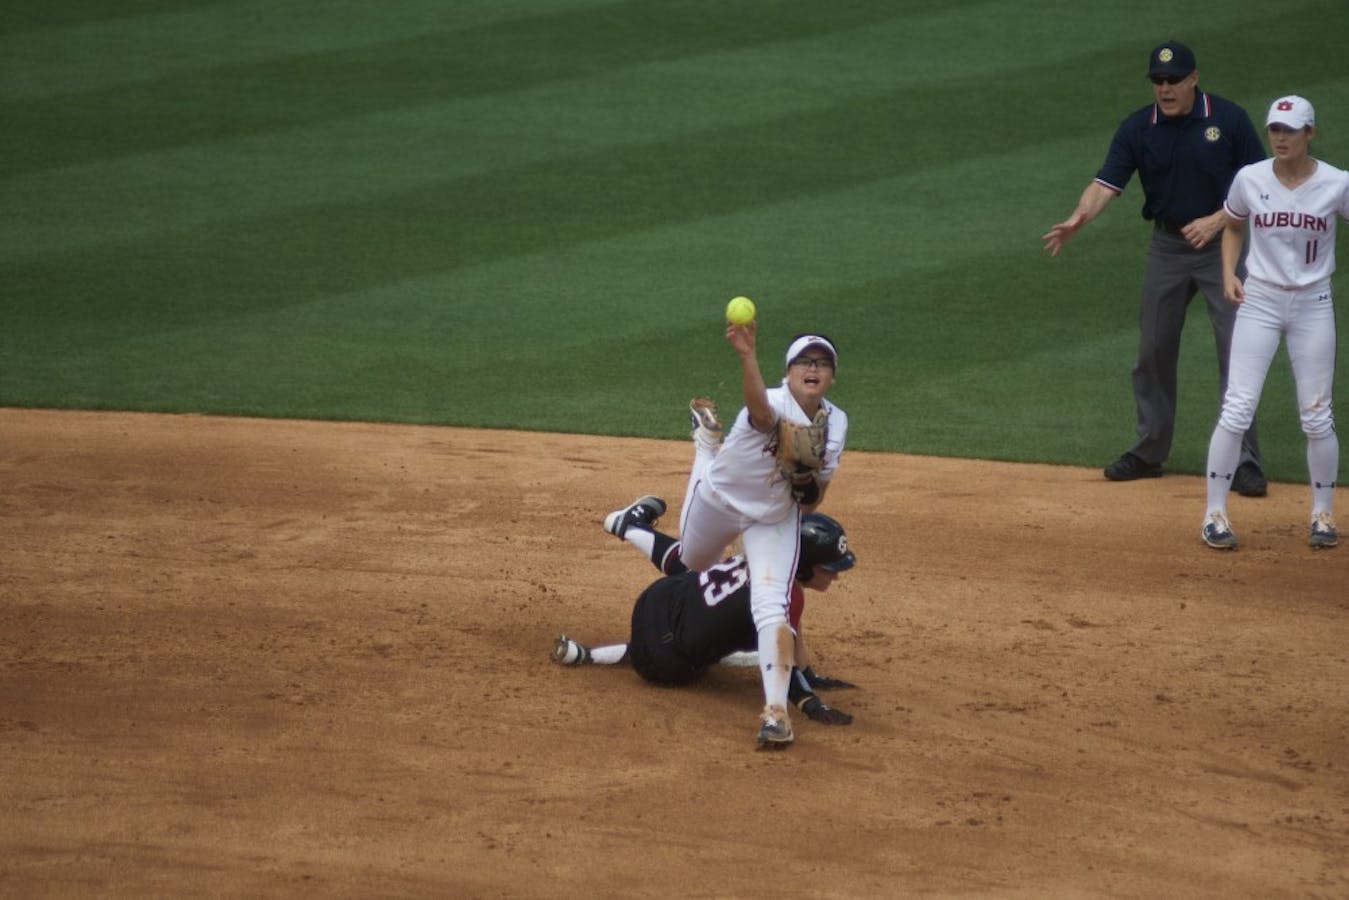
x: 1167, y: 79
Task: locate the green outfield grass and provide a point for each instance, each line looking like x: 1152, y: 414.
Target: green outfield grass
x: 530, y: 213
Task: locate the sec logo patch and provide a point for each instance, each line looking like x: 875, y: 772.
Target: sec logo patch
x: 1212, y: 133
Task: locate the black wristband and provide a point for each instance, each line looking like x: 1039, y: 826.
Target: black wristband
x: 807, y: 494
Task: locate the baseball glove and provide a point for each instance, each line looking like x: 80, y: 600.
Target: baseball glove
x: 801, y: 447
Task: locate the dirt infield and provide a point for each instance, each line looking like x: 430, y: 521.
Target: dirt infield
x: 244, y: 657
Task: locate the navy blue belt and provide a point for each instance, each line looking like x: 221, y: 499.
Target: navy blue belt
x: 1167, y: 227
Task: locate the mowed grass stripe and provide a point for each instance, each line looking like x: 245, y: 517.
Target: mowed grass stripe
x: 55, y: 210
x: 234, y: 100
x: 364, y: 155
x: 72, y: 46
x: 618, y: 304
x: 441, y: 225
x: 942, y: 195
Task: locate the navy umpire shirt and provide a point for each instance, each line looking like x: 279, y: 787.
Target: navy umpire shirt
x: 1185, y: 164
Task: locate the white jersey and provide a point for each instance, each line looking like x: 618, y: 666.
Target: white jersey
x: 745, y: 473
x: 1292, y: 243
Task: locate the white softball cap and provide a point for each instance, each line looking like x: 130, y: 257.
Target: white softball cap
x: 802, y: 342
x: 1292, y: 111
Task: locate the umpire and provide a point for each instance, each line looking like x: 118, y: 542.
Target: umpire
x: 1186, y: 147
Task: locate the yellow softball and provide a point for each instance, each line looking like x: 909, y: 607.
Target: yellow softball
x: 740, y: 311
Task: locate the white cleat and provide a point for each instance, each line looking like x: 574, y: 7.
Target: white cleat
x: 775, y: 728
x: 1323, y: 533
x: 1217, y: 532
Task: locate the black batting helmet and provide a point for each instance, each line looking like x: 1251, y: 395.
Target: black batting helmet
x: 823, y: 544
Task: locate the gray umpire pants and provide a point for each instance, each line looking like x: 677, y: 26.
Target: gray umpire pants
x: 1174, y: 273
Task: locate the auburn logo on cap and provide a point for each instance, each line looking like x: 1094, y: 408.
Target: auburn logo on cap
x: 1285, y: 105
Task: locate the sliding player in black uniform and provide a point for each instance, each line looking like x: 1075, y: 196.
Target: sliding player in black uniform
x: 688, y: 621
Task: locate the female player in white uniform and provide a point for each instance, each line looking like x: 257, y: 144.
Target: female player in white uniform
x: 737, y: 491
x: 1291, y: 202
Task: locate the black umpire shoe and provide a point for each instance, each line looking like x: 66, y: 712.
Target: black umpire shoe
x: 1249, y: 481
x: 1129, y: 467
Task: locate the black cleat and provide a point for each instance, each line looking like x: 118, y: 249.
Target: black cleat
x: 642, y: 512
x: 1129, y: 467
x: 1249, y: 481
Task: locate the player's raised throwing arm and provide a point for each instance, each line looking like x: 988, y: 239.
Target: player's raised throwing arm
x: 761, y: 415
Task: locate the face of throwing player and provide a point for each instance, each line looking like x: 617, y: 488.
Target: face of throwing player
x: 1289, y: 144
x: 810, y: 375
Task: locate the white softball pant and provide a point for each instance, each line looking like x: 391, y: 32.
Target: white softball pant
x: 708, y: 526
x: 1306, y: 319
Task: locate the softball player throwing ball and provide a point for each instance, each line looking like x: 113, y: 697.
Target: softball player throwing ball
x: 1291, y: 203
x: 754, y: 486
